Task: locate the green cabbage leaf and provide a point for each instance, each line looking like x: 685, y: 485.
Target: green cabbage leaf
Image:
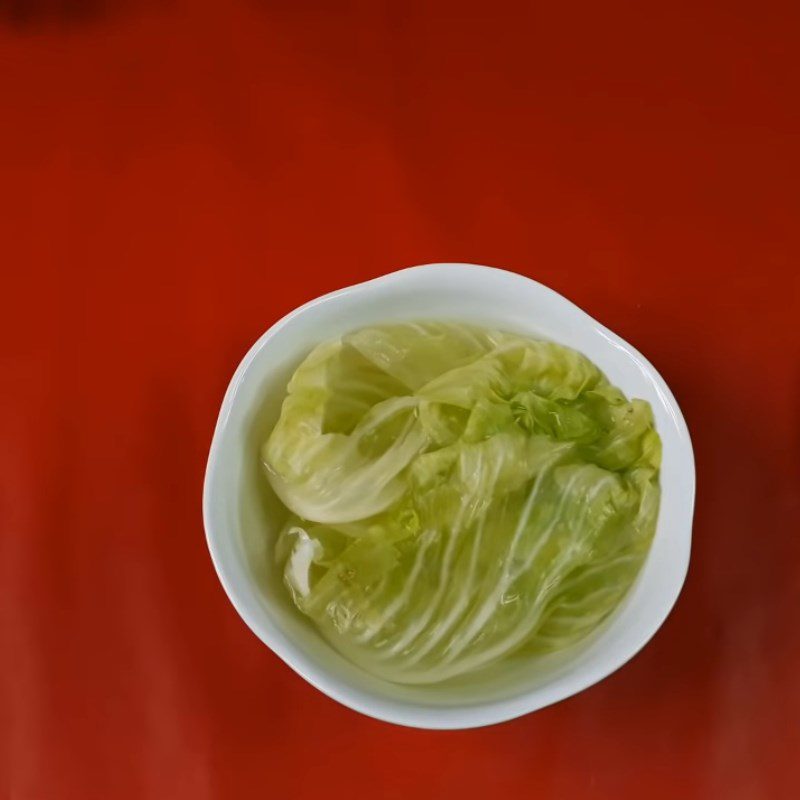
x: 458, y: 495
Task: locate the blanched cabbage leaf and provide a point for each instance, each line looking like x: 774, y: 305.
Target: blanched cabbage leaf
x: 457, y: 495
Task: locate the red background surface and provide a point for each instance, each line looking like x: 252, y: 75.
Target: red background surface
x: 177, y: 177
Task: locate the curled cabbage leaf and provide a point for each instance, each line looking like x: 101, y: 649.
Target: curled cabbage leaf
x: 457, y: 495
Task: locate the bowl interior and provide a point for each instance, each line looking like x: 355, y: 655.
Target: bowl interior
x: 243, y: 516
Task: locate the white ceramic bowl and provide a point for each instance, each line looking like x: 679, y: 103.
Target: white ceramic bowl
x: 241, y: 515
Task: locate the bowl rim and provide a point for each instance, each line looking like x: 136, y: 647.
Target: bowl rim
x: 407, y: 713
